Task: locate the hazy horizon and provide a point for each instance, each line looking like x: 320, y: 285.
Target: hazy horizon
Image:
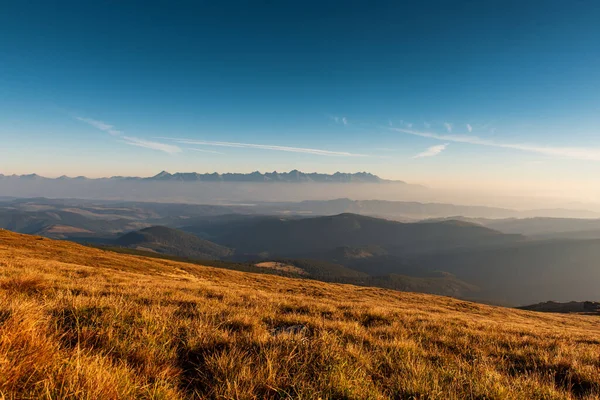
x: 522, y: 198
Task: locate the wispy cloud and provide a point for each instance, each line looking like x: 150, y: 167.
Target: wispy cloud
x: 432, y: 151
x: 469, y: 128
x: 130, y: 140
x: 339, y: 120
x: 167, y: 148
x: 579, y: 153
x: 427, y: 125
x: 100, y: 125
x: 448, y: 126
x: 204, y: 150
x: 318, y: 152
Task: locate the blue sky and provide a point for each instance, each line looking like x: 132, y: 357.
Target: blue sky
x: 441, y: 92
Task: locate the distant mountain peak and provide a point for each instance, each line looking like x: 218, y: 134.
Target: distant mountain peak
x: 31, y: 176
x: 162, y: 175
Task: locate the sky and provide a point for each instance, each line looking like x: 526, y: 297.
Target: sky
x: 471, y: 94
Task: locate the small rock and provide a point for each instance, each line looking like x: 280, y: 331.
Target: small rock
x: 290, y: 329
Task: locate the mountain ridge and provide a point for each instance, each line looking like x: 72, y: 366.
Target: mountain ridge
x: 290, y: 237
x: 293, y: 176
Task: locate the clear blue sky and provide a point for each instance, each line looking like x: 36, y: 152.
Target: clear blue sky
x: 471, y: 91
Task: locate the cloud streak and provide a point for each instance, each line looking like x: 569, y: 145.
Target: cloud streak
x: 448, y: 126
x: 100, y: 125
x: 318, y: 152
x: 147, y: 144
x: 578, y: 153
x: 432, y: 151
x: 130, y: 140
x: 469, y: 128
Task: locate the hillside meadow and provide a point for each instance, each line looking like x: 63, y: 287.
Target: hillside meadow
x: 83, y: 323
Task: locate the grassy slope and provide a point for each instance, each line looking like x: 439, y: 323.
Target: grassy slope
x: 85, y: 323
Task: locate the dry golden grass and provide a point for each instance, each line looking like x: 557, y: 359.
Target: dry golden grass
x: 77, y: 322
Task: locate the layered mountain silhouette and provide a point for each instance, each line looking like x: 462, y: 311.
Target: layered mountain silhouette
x: 508, y: 261
x: 419, y: 210
x: 293, y: 176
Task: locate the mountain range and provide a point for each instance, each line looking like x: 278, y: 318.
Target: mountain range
x: 293, y: 176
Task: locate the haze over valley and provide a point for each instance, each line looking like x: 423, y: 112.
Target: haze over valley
x: 292, y: 186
